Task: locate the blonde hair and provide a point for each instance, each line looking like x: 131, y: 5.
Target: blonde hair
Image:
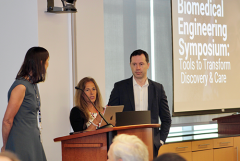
x: 129, y: 148
x: 81, y: 103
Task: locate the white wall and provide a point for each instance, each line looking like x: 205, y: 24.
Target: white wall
x: 19, y: 32
x: 90, y: 41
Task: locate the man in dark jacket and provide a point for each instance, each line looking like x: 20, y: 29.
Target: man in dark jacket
x: 139, y: 93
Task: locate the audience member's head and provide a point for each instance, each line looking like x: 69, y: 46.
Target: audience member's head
x: 8, y: 156
x: 169, y: 157
x: 127, y: 148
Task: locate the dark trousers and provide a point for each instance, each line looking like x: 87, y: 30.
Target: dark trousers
x: 155, y: 151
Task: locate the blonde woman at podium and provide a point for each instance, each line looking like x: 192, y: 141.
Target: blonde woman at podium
x: 84, y: 116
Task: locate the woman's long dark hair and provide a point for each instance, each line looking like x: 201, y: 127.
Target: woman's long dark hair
x: 33, y: 66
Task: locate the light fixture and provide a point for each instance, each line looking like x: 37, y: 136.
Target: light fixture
x: 68, y: 6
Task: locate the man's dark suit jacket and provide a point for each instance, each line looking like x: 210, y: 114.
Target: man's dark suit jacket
x: 122, y: 94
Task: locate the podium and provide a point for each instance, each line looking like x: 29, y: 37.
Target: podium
x: 228, y: 124
x: 94, y: 145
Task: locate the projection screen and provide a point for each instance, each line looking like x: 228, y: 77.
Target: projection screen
x: 206, y: 55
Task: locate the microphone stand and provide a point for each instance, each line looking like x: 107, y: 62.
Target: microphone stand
x: 105, y: 126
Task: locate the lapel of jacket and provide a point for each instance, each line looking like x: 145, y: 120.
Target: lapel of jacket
x: 130, y: 92
x: 150, y: 94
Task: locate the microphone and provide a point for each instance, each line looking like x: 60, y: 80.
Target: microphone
x: 105, y: 126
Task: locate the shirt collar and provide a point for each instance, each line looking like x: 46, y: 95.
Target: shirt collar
x: 135, y: 83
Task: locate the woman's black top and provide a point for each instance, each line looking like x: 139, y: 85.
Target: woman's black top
x: 77, y: 120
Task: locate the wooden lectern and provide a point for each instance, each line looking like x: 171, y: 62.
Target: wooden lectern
x: 93, y: 145
x: 228, y: 124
